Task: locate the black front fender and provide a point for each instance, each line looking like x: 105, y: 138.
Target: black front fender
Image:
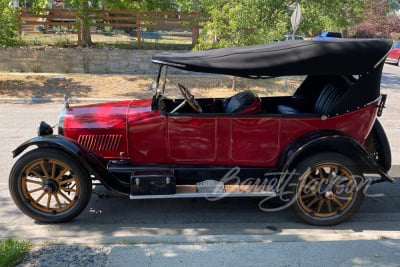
x: 93, y: 163
x: 55, y: 141
x: 332, y: 141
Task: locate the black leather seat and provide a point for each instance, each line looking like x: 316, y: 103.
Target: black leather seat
x: 328, y: 99
x: 326, y: 103
x: 244, y: 103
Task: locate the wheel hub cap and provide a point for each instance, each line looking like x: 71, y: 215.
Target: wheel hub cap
x: 50, y: 186
x: 329, y: 195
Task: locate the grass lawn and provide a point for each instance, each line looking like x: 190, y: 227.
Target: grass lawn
x: 12, y: 251
x: 167, y: 41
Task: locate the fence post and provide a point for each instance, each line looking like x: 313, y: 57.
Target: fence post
x: 138, y: 33
x: 79, y: 30
x: 195, y: 35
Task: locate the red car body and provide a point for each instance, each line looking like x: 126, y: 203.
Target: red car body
x: 143, y: 135
x: 326, y: 136
x: 394, y: 54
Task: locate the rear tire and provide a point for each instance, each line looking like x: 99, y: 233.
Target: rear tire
x: 49, y: 185
x: 328, y: 190
x: 377, y: 145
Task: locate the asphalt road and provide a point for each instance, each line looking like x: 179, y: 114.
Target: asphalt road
x: 232, y: 222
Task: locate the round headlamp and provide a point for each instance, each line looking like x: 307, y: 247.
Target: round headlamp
x: 44, y: 129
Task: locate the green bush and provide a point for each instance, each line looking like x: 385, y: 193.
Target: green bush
x: 9, y: 30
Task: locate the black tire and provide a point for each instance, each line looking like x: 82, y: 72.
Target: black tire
x: 49, y: 185
x: 328, y: 190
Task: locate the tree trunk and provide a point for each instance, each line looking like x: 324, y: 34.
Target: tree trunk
x: 86, y: 36
x: 234, y: 83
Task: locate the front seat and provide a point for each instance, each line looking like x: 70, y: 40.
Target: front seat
x: 246, y: 102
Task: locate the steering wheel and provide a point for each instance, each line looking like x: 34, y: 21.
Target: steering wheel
x: 190, y: 98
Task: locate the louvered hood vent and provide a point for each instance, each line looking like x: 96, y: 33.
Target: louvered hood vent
x: 100, y: 143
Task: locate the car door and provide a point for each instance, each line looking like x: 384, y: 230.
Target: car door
x: 192, y: 139
x: 254, y: 140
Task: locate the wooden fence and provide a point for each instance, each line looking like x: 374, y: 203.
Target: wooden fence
x: 138, y: 21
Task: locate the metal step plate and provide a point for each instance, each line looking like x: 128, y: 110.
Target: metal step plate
x: 189, y: 191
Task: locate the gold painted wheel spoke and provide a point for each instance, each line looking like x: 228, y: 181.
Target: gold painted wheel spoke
x: 321, y: 173
x: 48, y: 200
x: 46, y: 174
x: 60, y: 175
x: 337, y: 201
x: 329, y: 204
x: 34, y: 182
x: 65, y: 197
x: 312, y: 202
x: 330, y: 175
x: 57, y: 200
x: 63, y: 186
x: 69, y: 190
x: 330, y: 178
x: 35, y: 190
x: 343, y: 194
x: 320, y: 204
x: 53, y: 170
x: 66, y: 181
x: 310, y: 187
x: 40, y: 197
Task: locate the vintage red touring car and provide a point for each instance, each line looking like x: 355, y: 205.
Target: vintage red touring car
x: 310, y: 150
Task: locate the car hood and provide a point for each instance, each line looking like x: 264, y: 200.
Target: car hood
x: 104, y: 115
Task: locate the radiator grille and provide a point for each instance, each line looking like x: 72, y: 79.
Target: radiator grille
x: 99, y: 143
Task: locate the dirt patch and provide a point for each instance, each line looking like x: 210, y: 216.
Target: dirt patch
x: 84, y: 86
x: 28, y: 85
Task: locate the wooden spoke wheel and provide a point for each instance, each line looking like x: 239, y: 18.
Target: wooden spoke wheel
x: 49, y: 185
x: 329, y: 190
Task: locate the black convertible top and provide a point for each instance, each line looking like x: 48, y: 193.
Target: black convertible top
x: 308, y: 57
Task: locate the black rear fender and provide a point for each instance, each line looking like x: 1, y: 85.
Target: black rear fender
x: 377, y: 145
x: 330, y: 141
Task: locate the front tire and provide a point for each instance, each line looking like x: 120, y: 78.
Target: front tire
x: 329, y: 191
x: 49, y: 185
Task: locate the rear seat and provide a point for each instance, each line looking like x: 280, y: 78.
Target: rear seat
x: 326, y: 104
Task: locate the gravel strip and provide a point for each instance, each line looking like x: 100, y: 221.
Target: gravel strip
x: 66, y: 256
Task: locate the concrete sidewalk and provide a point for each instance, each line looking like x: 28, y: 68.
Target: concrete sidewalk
x: 328, y: 254
x: 288, y: 246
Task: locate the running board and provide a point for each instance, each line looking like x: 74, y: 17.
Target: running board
x: 206, y: 195
x: 189, y: 191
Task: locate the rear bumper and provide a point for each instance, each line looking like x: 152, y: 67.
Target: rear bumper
x: 392, y: 60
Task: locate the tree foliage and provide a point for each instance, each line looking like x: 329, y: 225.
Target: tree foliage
x: 242, y: 22
x: 378, y: 21
x: 238, y: 22
x: 334, y: 15
x: 9, y: 30
x: 245, y: 22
